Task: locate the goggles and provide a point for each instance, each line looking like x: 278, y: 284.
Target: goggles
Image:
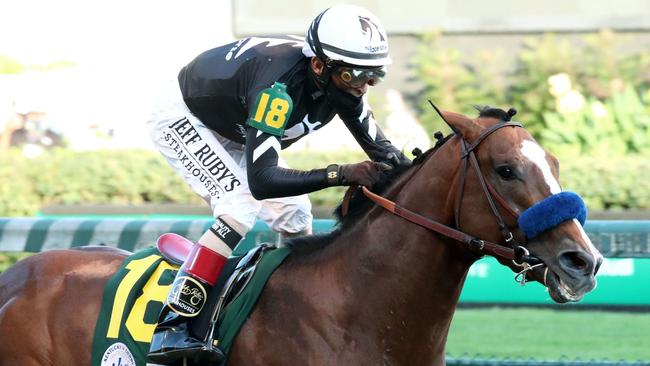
x: 357, y: 77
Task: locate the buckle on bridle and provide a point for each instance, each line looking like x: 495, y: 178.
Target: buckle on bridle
x: 477, y: 244
x: 521, y: 253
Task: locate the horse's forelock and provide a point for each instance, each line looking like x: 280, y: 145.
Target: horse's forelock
x: 498, y: 113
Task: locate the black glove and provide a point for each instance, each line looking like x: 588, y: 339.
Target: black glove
x: 396, y: 159
x: 365, y: 173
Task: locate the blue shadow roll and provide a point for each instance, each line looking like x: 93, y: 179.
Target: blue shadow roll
x: 552, y: 211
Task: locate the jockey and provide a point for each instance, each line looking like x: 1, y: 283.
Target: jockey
x: 221, y: 125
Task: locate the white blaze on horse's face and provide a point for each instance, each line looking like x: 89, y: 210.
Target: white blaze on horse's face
x: 537, y: 156
x: 598, y: 257
x: 533, y: 152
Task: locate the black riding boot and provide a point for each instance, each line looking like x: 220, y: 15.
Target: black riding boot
x: 172, y: 340
x: 199, y: 325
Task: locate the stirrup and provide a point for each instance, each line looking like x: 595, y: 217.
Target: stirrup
x: 173, y: 344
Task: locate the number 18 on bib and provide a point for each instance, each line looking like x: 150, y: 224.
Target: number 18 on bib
x: 272, y: 110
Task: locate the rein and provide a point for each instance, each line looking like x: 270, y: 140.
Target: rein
x: 514, y: 252
x: 482, y: 246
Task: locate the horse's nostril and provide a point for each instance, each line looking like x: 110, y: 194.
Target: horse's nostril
x: 576, y: 262
x: 598, y: 263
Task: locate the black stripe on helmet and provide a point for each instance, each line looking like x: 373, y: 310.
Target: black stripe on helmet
x: 313, y: 40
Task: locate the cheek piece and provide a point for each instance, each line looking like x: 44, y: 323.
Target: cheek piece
x: 551, y: 211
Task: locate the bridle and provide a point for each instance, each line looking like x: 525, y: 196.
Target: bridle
x: 512, y: 251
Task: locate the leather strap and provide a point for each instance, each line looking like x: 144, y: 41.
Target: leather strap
x: 502, y: 202
x: 487, y: 132
x: 461, y: 184
x: 468, y: 157
x: 345, y: 205
x: 516, y: 252
x: 478, y: 245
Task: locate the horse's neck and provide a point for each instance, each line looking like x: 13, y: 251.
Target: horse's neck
x: 401, y: 288
x: 401, y: 279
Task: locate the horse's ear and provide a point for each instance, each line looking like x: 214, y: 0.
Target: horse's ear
x: 459, y: 123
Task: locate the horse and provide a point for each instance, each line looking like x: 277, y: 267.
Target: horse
x: 380, y: 289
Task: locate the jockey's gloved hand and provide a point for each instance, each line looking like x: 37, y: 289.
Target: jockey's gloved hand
x: 397, y: 159
x: 365, y: 173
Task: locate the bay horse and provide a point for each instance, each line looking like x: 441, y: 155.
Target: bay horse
x: 381, y: 289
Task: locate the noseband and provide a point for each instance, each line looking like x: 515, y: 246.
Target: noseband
x: 512, y: 251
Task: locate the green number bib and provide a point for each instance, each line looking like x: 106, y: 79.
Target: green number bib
x: 272, y: 110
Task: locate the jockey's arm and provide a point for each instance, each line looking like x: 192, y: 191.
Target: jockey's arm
x: 372, y: 140
x: 268, y: 180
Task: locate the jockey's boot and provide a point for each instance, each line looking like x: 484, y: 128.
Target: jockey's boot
x: 172, y: 340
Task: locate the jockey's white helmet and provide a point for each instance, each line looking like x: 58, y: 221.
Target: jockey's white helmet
x: 348, y: 34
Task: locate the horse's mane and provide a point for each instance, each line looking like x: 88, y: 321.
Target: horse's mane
x: 359, y: 204
x: 498, y: 113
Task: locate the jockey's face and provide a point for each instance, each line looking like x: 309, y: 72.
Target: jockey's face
x: 353, y: 80
x: 357, y: 91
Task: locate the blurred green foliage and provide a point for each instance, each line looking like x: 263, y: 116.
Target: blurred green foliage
x: 614, y: 183
x: 8, y: 259
x: 619, y: 126
x: 452, y: 83
x: 17, y: 193
x: 140, y: 177
x: 585, y: 95
x: 10, y: 65
x: 97, y: 177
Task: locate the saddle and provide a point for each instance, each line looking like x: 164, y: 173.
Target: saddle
x: 175, y: 248
x: 236, y: 275
x: 135, y: 294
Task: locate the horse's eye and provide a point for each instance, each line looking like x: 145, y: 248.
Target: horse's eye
x: 506, y: 172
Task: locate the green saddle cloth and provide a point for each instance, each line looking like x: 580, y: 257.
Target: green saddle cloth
x: 134, y: 296
x: 236, y: 313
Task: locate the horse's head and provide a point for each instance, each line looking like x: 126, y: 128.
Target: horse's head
x: 519, y: 174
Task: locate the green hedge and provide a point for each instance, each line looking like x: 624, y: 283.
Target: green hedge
x: 9, y: 259
x: 75, y: 178
x: 614, y: 183
x: 140, y: 177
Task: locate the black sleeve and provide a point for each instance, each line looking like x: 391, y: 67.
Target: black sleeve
x: 266, y: 179
x: 372, y: 139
